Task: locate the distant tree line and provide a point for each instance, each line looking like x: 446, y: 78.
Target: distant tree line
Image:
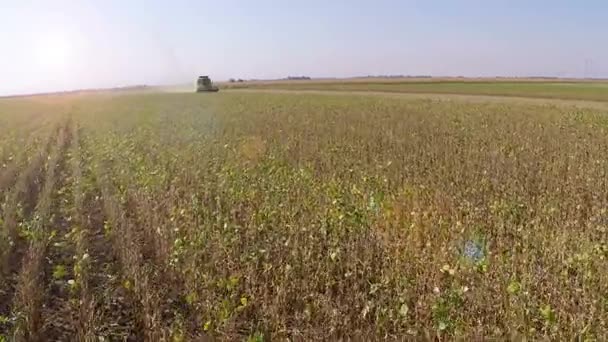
x: 397, y: 76
x: 298, y: 78
x: 289, y: 78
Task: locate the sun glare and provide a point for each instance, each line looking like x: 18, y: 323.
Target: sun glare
x: 53, y: 52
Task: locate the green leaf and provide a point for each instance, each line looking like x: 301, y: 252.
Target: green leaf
x: 233, y: 281
x: 548, y: 314
x: 483, y: 266
x: 257, y: 337
x: 191, y: 298
x: 59, y: 272
x: 514, y: 287
x: 207, y: 326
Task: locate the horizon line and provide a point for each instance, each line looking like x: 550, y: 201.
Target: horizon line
x: 304, y: 78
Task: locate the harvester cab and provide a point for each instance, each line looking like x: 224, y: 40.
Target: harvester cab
x: 204, y: 84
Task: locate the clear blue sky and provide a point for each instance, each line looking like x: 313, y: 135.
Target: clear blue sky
x: 61, y: 44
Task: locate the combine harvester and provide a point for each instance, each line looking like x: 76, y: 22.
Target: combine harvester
x: 204, y: 84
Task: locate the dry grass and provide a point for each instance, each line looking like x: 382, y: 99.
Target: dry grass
x: 303, y: 216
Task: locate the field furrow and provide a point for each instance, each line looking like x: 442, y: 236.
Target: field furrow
x: 9, y: 168
x: 29, y: 149
x: 30, y: 288
x: 16, y: 146
x: 17, y: 219
x: 127, y: 246
x: 58, y: 318
x: 177, y: 318
x: 108, y: 306
x: 84, y: 306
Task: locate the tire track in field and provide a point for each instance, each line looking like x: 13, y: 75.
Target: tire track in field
x: 107, y: 309
x: 17, y: 214
x: 29, y: 294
